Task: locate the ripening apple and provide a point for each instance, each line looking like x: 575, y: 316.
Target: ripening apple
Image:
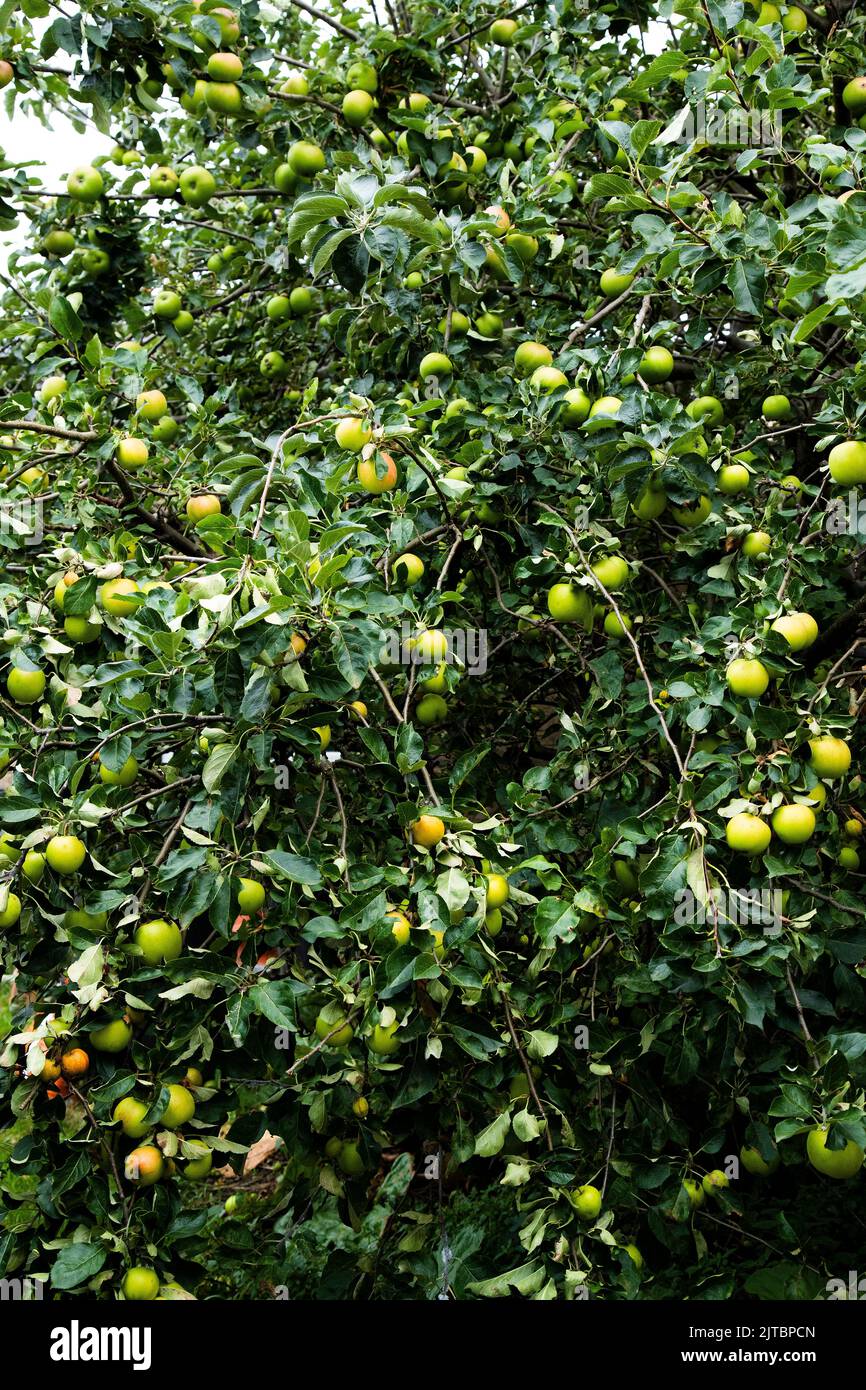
x: 129, y: 1113
x: 656, y: 365
x: 831, y: 757
x: 490, y: 324
x: 111, y: 597
x: 167, y: 304
x: 203, y: 504
x: 493, y: 921
x: 25, y: 687
x: 748, y: 677
x: 757, y: 543
x: 140, y: 1284
x: 111, y: 1037
x: 85, y: 184
x: 353, y: 433
x: 166, y: 430
x: 33, y: 867
x: 616, y: 625
x: 362, y: 75
x: 383, y: 1041
x: 12, y: 911
x: 523, y: 245
x: 848, y: 859
x: 799, y: 630
x: 132, y: 453
x: 854, y: 96
x: 80, y: 630
x: 65, y: 854
x: 794, y: 824
x: 357, y: 107
x: 300, y: 300
x: 747, y: 833
x: 847, y: 462
x: 224, y: 97
x: 586, y: 1201
x: 434, y: 364
x: 94, y: 262
x: 163, y: 181
x: 567, y: 603
x: 650, y: 503
x: 332, y: 1020
x: 497, y: 890
x: 733, y: 478
x: 695, y: 1192
x: 123, y: 777
x: 180, y: 1108
x: 706, y: 409
x: 199, y: 1166
x: 529, y: 356
x: 197, y: 186
x: 7, y: 72
x: 844, y: 1162
x: 371, y: 479
x: 693, y: 513
x: 224, y: 67
x: 776, y: 407
x: 52, y: 388
x: 158, y: 941
x: 502, y: 31
x: 714, y: 1180
x: 250, y: 895
x: 151, y: 405
x: 402, y: 927
x: 605, y: 406
x: 278, y: 306
x: 59, y: 243
x: 144, y: 1166
x: 611, y: 283
x: 547, y: 379
x: 273, y: 365
x: 612, y: 571
x: 753, y: 1161
x: 408, y: 569
x: 295, y: 84
x: 575, y: 408
x: 427, y: 831
x: 500, y: 217
x: 305, y: 159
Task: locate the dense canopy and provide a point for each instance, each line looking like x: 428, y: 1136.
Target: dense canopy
x: 433, y: 638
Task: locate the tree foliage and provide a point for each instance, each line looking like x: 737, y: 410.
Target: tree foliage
x: 258, y: 701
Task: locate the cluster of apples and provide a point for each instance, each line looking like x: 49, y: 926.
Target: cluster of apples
x: 794, y: 823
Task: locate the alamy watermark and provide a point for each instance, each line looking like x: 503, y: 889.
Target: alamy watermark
x: 846, y: 516
x: 745, y: 128
x: 737, y: 907
x: 22, y: 521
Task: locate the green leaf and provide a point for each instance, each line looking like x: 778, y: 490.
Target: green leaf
x: 218, y: 764
x: 490, y: 1140
x: 77, y: 1263
x: 64, y: 319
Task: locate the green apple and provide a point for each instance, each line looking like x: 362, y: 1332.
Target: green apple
x: 567, y: 603
x: 847, y: 462
x: 706, y: 409
x: 844, y: 1162
x: 529, y: 356
x: 776, y: 407
x: 656, y: 365
x: 357, y: 107
x: 612, y: 284
x: 167, y: 304
x: 586, y: 1201
x: 747, y: 677
x: 158, y: 941
x: 85, y: 184
x: 163, y: 181
x: 794, y: 824
x: 757, y: 543
x: 362, y: 76
x: 224, y: 67
x: 129, y: 1114
x: 197, y: 186
x: 747, y: 833
x: 306, y: 159
x: 225, y: 98
x: 111, y: 1037
x: 830, y: 757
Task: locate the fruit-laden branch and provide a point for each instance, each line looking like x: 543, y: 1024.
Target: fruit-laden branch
x: 539, y: 1104
x: 485, y: 24
x: 159, y: 524
x: 38, y: 428
x: 328, y: 19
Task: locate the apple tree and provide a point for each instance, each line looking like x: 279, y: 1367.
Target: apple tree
x: 433, y: 441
